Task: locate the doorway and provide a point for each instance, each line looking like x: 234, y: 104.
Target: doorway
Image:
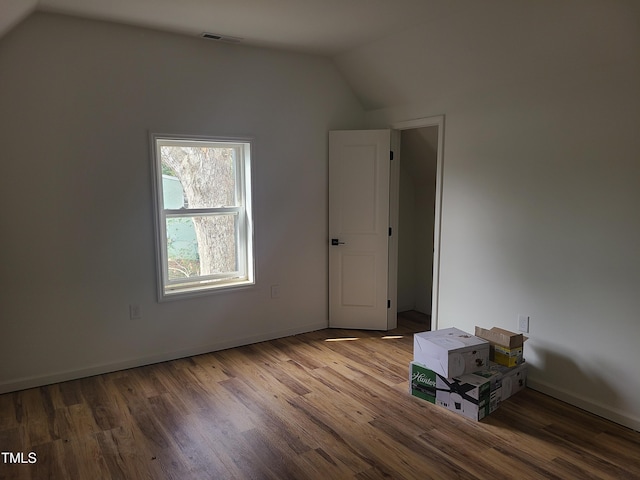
x: 419, y: 205
x: 363, y: 177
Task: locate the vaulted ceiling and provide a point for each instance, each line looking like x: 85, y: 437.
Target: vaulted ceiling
x: 324, y: 27
x: 400, y: 52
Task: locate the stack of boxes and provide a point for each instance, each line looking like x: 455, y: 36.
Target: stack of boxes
x: 468, y: 374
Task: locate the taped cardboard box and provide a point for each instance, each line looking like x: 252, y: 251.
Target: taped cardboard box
x: 466, y: 395
x: 450, y: 352
x: 506, y: 348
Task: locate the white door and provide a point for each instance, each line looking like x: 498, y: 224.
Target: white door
x: 359, y: 165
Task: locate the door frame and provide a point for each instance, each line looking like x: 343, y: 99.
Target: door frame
x: 438, y: 121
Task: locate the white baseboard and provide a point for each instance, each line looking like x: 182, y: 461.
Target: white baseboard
x: 38, y: 381
x: 604, y: 411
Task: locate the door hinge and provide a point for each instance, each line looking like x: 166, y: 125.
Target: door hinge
x: 390, y: 231
x: 388, y: 303
x: 391, y: 155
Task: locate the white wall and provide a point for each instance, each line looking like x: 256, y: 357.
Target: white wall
x: 416, y: 225
x: 78, y: 100
x: 407, y: 274
x: 541, y: 179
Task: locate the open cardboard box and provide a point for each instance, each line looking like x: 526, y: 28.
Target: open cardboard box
x: 506, y: 348
x: 502, y: 337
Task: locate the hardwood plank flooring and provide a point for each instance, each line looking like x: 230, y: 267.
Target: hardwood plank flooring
x: 415, y: 316
x: 326, y: 404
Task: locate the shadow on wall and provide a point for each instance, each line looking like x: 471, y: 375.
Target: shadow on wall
x: 562, y: 373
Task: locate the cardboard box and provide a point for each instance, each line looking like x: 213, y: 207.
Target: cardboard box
x: 422, y: 382
x: 514, y: 379
x: 466, y: 395
x: 500, y: 336
x: 506, y: 348
x: 450, y: 352
x: 494, y: 378
x: 504, y: 382
x: 509, y: 357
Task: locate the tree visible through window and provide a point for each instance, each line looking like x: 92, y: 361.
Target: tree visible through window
x: 203, y: 214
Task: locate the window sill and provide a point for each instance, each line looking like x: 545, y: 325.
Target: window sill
x: 200, y: 291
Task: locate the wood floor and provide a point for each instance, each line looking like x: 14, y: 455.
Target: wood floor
x: 416, y: 317
x: 331, y: 404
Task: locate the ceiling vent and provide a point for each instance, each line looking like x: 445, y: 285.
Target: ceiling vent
x: 221, y: 38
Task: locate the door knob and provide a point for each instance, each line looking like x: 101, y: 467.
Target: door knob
x: 335, y: 241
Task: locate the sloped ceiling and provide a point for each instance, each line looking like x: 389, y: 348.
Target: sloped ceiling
x: 324, y: 27
x: 13, y: 12
x: 398, y: 52
x: 459, y: 54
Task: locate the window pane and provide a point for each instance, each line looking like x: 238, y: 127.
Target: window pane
x: 182, y: 248
x: 201, y: 246
x: 198, y: 177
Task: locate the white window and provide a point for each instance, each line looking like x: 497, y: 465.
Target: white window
x: 202, y: 189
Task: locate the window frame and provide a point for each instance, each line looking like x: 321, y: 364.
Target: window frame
x: 244, y: 276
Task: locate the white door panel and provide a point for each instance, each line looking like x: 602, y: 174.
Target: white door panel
x: 358, y: 279
x: 359, y: 228
x: 357, y: 212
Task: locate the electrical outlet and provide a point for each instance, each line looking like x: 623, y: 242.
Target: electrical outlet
x: 135, y: 312
x: 275, y: 291
x: 523, y: 323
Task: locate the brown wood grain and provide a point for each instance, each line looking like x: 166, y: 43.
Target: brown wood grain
x: 330, y: 404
